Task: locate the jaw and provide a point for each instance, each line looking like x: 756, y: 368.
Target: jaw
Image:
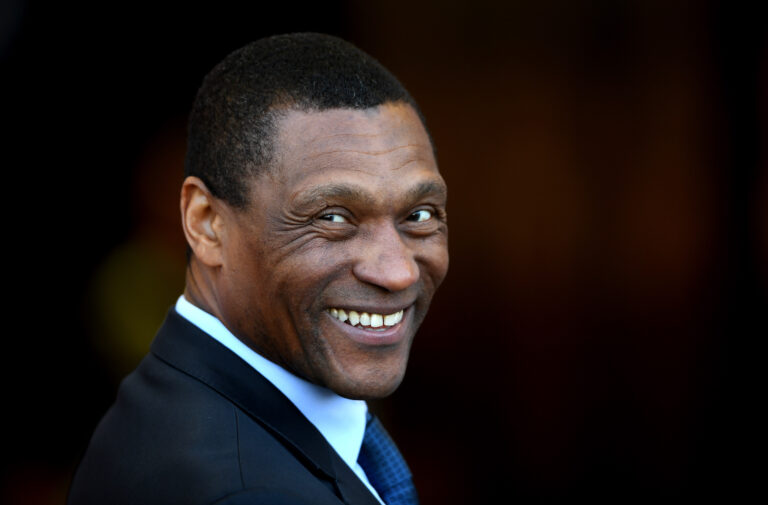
x: 364, y: 381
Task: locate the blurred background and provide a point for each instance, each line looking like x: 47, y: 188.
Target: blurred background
x: 597, y: 335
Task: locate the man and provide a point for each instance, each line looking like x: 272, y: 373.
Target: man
x: 315, y: 217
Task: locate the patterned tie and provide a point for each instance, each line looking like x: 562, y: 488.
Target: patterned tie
x: 385, y: 467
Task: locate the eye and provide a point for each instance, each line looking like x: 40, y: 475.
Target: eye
x: 334, y: 218
x: 420, y: 216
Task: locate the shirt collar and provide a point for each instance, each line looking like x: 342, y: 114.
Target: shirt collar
x: 340, y: 420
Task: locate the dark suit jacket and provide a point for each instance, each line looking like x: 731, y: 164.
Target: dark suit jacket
x: 194, y: 424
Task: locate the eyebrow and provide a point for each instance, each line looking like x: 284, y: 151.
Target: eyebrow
x: 427, y: 188
x: 361, y: 194
x: 353, y: 192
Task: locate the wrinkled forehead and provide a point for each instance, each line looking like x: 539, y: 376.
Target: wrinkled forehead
x: 391, y: 130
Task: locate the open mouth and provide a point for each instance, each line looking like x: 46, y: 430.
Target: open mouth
x: 367, y: 321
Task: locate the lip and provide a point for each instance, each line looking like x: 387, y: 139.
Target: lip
x: 393, y: 335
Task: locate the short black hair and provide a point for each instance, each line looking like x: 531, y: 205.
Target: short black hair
x: 232, y: 124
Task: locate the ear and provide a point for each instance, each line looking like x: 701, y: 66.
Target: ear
x: 201, y: 220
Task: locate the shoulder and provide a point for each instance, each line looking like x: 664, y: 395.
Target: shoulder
x: 177, y: 433
x: 167, y: 436
x: 170, y: 438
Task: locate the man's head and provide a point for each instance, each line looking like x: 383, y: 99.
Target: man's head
x: 232, y: 125
x: 328, y: 209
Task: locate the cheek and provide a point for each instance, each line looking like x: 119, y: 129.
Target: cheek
x: 301, y: 278
x: 434, y: 258
x: 322, y: 260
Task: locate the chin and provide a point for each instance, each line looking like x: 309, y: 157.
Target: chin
x: 379, y: 385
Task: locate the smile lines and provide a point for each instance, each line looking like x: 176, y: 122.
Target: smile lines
x: 366, y: 320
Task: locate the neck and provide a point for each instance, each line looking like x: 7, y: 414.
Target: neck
x: 199, y: 288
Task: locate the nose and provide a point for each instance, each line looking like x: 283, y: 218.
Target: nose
x: 386, y: 260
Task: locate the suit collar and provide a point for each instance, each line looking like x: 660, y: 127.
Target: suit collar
x: 182, y: 345
x: 340, y: 420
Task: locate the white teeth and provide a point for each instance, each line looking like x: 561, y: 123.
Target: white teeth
x: 365, y: 319
x: 393, y: 319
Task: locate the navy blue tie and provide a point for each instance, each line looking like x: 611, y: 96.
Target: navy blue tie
x: 385, y: 467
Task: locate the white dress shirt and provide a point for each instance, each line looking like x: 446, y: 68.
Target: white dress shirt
x: 340, y: 420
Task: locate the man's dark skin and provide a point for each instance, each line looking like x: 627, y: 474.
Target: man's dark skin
x: 350, y: 215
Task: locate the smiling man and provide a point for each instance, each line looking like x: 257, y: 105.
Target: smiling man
x: 315, y: 217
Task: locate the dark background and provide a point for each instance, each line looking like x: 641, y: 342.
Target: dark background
x: 597, y: 336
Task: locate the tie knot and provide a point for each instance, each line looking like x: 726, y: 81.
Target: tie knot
x: 385, y: 467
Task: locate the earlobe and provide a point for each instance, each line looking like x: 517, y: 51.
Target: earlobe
x: 199, y: 219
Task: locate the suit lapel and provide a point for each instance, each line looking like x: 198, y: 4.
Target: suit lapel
x: 187, y: 348
x: 351, y: 487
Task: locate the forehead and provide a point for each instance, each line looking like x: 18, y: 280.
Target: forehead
x: 377, y: 142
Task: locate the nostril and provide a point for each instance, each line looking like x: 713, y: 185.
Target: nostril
x: 391, y: 274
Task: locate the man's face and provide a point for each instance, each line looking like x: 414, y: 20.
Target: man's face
x: 350, y: 224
